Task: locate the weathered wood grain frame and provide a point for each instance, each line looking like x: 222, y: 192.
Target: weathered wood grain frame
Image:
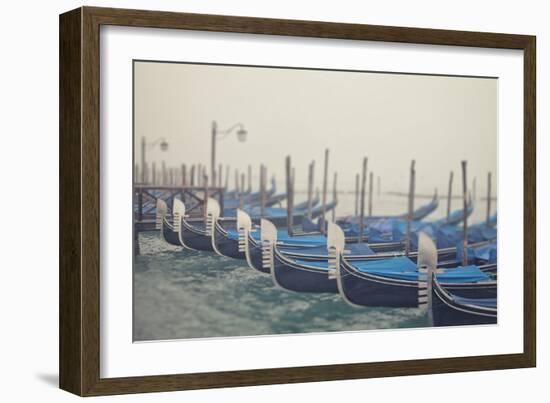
x: 79, y: 191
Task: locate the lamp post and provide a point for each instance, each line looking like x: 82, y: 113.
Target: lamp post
x: 220, y: 134
x: 144, y: 145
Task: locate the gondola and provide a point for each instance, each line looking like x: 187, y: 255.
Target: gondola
x: 398, y: 282
x: 191, y: 233
x: 221, y: 242
x: 457, y: 216
x: 225, y: 237
x: 392, y: 229
x: 161, y: 223
x: 418, y: 214
x: 254, y: 199
x: 303, y: 206
x: 450, y: 309
x: 446, y: 307
x: 302, y: 249
x: 351, y: 223
x: 283, y: 275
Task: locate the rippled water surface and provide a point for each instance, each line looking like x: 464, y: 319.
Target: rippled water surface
x: 181, y: 294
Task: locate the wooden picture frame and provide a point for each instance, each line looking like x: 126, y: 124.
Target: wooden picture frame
x: 80, y: 183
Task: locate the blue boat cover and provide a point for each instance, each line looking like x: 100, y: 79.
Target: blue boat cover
x: 445, y: 236
x: 283, y: 237
x: 256, y: 211
x: 402, y: 268
x: 455, y: 215
x: 321, y: 251
x: 232, y: 233
x: 487, y: 253
x: 405, y: 269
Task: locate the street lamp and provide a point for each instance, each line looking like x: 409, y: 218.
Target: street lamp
x: 144, y: 145
x: 220, y: 134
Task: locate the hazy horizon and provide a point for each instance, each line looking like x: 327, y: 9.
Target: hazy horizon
x: 389, y: 118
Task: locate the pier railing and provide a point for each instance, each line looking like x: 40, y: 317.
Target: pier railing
x: 194, y: 197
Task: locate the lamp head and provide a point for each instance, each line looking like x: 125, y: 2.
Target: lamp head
x: 241, y: 135
x: 164, y: 145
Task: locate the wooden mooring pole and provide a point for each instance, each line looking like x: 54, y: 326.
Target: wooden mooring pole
x: 410, y: 208
x: 322, y: 220
x: 310, y: 179
x: 192, y: 175
x: 249, y: 178
x: 289, y: 202
x: 263, y: 180
x: 136, y: 239
x: 205, y: 202
x: 362, y: 210
x: 488, y: 217
x: 465, y: 216
x: 241, y: 197
x: 226, y: 185
x: 371, y: 176
x: 356, y: 195
x: 183, y: 175
x: 449, y: 196
x: 334, y: 196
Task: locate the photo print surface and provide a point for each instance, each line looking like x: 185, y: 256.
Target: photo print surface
x: 271, y: 200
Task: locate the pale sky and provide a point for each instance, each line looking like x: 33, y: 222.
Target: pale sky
x: 390, y: 118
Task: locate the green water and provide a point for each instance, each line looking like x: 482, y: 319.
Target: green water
x: 182, y: 294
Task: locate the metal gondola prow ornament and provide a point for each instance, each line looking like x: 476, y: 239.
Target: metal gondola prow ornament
x: 244, y: 226
x: 336, y: 243
x: 268, y: 241
x: 162, y: 210
x: 178, y: 214
x: 212, y: 214
x: 335, y: 247
x: 427, y: 266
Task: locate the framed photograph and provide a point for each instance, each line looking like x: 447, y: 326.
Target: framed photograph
x: 249, y: 201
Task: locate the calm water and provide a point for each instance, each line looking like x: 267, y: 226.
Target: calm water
x: 180, y: 294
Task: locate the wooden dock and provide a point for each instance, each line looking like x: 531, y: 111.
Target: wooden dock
x: 194, y: 197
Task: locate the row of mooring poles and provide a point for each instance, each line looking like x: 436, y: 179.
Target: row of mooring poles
x: 465, y: 211
x: 359, y: 193
x: 174, y: 176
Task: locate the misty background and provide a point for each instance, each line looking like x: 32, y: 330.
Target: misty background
x: 389, y: 118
